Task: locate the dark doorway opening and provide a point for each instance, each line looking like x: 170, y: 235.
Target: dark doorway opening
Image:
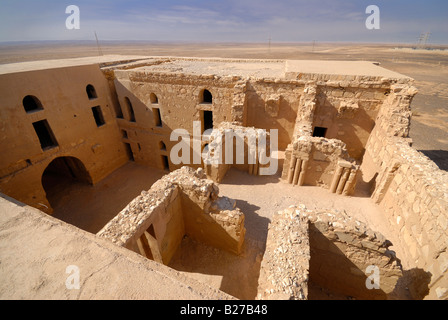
x: 31, y: 103
x: 153, y: 98
x: 60, y: 174
x: 91, y: 92
x: 157, y: 117
x: 207, y: 97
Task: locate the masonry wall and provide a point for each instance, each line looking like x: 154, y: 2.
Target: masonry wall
x: 306, y: 248
x: 179, y: 100
x: 274, y: 105
x: 37, y: 250
x: 348, y: 113
x: 411, y: 190
x: 181, y: 203
x: 68, y: 111
x: 322, y: 162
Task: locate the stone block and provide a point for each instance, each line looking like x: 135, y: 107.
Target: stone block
x: 442, y: 221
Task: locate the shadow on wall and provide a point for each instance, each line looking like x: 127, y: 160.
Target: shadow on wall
x: 334, y: 276
x: 259, y: 115
x: 60, y: 174
x: 236, y: 275
x: 233, y: 177
x: 256, y: 226
x: 416, y: 281
x: 365, y: 189
x: 346, y: 127
x: 440, y: 157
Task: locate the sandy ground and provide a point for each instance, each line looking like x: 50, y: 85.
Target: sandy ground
x: 90, y: 208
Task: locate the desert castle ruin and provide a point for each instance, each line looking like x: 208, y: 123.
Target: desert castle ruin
x: 341, y: 126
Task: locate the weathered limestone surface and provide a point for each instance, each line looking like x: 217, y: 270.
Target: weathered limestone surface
x: 328, y: 249
x: 284, y: 269
x: 363, y: 111
x: 182, y: 202
x: 410, y: 189
x: 320, y: 161
x: 245, y: 148
x: 66, y: 107
x: 36, y: 250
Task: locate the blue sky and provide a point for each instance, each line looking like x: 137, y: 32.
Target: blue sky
x: 225, y: 21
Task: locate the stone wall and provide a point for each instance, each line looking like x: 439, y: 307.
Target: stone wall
x: 322, y: 162
x: 348, y: 112
x: 329, y: 250
x: 67, y: 110
x: 411, y: 190
x: 245, y: 148
x: 181, y: 203
x: 179, y: 102
x: 294, y: 104
x: 273, y: 104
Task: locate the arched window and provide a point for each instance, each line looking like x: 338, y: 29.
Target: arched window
x: 153, y: 98
x: 31, y: 103
x: 91, y: 92
x: 206, y: 97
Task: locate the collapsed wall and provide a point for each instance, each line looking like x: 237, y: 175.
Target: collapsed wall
x: 329, y: 250
x: 284, y: 269
x: 181, y: 203
x: 411, y: 190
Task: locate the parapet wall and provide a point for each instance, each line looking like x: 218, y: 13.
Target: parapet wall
x: 181, y: 203
x: 411, y: 190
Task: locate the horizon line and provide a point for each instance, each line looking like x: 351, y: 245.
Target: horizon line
x: 221, y: 42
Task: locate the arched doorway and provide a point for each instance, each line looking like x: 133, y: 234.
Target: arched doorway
x: 61, y: 174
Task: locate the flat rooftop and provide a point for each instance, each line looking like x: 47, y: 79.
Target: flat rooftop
x: 63, y: 63
x: 215, y: 66
x: 350, y: 68
x: 278, y: 69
